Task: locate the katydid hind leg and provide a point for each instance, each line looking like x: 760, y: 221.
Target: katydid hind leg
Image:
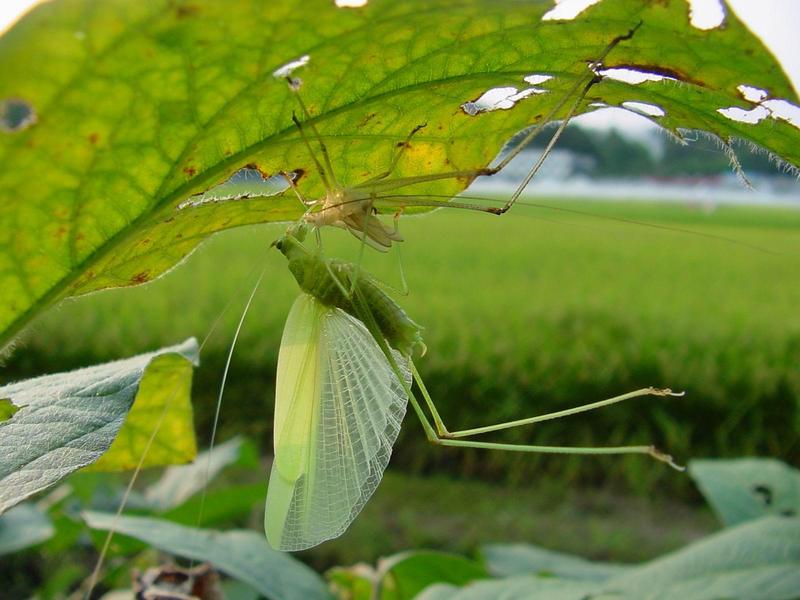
x: 447, y: 438
x: 322, y: 173
x: 322, y: 146
x: 651, y: 451
x: 586, y: 82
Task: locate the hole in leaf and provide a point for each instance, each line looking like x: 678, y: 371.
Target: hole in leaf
x: 351, y: 3
x: 7, y: 409
x: 706, y: 14
x: 633, y: 76
x: 764, y: 492
x: 16, y: 115
x: 777, y: 108
x: 246, y: 183
x: 537, y: 78
x: 644, y: 108
x: 783, y: 110
x: 286, y: 70
x: 504, y: 98
x: 752, y: 94
x: 753, y: 116
x: 566, y: 10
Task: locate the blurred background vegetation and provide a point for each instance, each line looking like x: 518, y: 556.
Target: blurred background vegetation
x: 536, y: 311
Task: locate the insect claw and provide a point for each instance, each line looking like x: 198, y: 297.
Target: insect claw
x: 665, y: 458
x: 666, y: 392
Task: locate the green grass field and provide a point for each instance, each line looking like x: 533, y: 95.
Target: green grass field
x: 535, y: 311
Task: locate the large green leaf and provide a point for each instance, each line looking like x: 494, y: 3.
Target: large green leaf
x: 69, y: 420
x: 122, y: 110
x: 507, y: 560
x: 22, y: 527
x: 515, y: 588
x: 757, y: 560
x: 244, y: 555
x: 747, y: 488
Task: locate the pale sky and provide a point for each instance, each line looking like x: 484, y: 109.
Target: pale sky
x: 776, y: 22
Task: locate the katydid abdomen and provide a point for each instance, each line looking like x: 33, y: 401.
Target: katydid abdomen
x: 343, y: 285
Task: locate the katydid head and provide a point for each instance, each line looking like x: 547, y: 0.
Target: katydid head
x: 291, y: 242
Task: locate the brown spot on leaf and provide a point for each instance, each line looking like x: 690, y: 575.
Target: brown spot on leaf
x: 190, y: 171
x: 141, y: 277
x: 94, y: 138
x: 186, y: 10
x: 170, y: 220
x: 366, y: 120
x: 255, y: 167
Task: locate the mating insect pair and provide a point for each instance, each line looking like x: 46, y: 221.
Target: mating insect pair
x: 345, y: 368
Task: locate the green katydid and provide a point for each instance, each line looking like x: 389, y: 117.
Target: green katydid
x: 345, y: 370
x: 345, y: 373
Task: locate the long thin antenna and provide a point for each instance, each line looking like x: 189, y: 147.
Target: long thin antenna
x: 218, y: 409
x: 420, y: 200
x: 92, y: 581
x: 587, y: 82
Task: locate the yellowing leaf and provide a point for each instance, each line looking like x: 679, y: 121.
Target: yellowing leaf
x: 115, y: 112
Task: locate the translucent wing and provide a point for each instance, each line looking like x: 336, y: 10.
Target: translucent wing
x: 338, y: 410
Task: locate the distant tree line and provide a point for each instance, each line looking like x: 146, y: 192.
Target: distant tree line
x: 614, y: 154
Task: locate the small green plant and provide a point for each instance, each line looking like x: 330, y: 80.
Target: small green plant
x: 756, y: 554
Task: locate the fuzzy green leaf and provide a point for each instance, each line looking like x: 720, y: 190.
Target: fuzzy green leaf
x: 507, y: 560
x: 758, y: 560
x: 747, y: 488
x: 70, y: 420
x: 243, y: 555
x: 22, y: 527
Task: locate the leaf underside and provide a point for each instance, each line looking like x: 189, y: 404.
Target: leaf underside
x: 241, y: 554
x: 129, y: 108
x: 67, y: 421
